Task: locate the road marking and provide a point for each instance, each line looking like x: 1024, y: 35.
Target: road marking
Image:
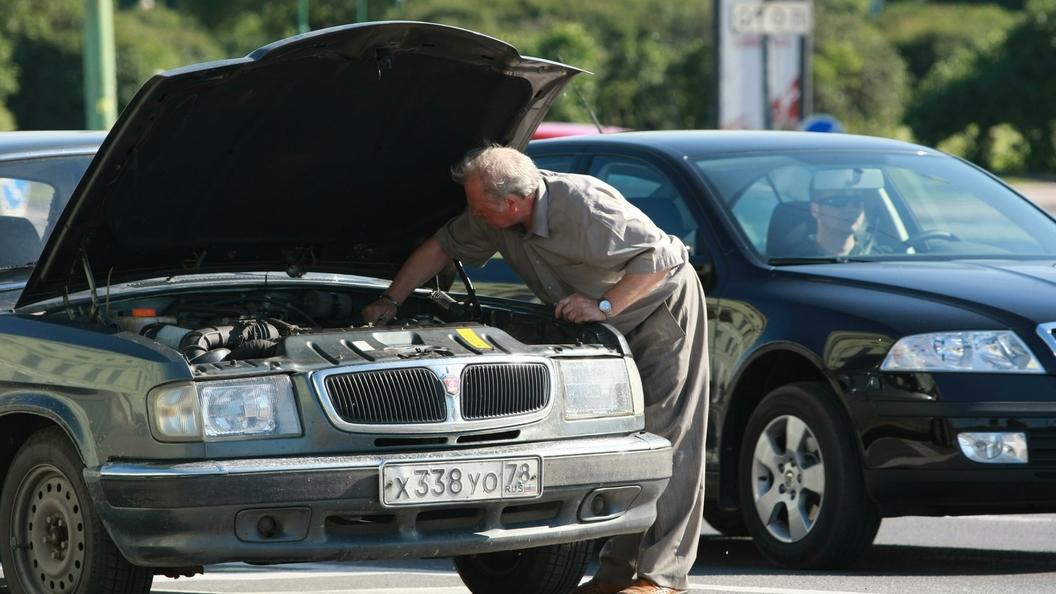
x: 426, y: 590
x: 751, y: 590
x: 1020, y: 519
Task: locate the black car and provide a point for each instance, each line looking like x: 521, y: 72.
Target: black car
x: 185, y: 376
x: 913, y: 374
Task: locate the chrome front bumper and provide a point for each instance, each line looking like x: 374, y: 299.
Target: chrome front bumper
x: 328, y: 508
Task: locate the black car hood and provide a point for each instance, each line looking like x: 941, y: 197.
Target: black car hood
x: 1000, y: 289
x: 326, y: 152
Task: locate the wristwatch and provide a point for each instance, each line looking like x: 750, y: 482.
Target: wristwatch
x: 606, y: 308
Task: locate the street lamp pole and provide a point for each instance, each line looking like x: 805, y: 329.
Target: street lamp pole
x: 100, y: 72
x: 302, y: 17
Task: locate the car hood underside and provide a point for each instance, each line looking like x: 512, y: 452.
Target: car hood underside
x: 327, y: 152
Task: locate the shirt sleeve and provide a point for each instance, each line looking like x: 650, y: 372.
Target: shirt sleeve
x: 621, y: 236
x: 468, y: 239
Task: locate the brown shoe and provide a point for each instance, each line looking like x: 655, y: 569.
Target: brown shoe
x: 644, y: 586
x: 596, y: 587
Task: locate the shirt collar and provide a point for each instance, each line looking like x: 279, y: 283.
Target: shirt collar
x: 540, y: 213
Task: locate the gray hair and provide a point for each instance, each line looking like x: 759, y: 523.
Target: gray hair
x: 502, y: 170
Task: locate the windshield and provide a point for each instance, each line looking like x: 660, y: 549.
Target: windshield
x: 33, y: 192
x: 823, y: 206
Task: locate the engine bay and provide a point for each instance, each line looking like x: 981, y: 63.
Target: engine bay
x: 224, y: 326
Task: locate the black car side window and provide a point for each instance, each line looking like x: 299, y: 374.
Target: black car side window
x: 647, y: 188
x: 558, y: 163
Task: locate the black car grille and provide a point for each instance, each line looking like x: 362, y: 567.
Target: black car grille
x: 386, y: 397
x: 504, y: 389
x: 1042, y: 447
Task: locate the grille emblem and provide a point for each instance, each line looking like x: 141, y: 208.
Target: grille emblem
x: 451, y: 383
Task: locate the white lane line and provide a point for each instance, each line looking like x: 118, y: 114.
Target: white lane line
x: 753, y: 590
x: 426, y: 590
x: 1012, y: 519
x: 296, y: 575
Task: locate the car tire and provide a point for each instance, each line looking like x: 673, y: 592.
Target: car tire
x: 801, y: 483
x: 727, y: 522
x: 554, y: 569
x: 51, y: 539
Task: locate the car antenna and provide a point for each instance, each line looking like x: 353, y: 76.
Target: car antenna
x: 584, y: 100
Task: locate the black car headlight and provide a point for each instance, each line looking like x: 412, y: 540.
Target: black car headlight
x: 994, y: 351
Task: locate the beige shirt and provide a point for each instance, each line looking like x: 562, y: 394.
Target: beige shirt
x: 583, y: 238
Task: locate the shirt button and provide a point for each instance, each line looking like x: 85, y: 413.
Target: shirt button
x: 551, y: 287
x: 537, y: 261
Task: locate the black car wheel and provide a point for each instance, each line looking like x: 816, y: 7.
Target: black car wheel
x: 802, y: 489
x: 51, y: 540
x: 727, y: 522
x: 554, y: 569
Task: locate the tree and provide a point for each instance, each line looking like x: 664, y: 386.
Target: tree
x: 8, y: 83
x: 858, y: 76
x: 1008, y: 83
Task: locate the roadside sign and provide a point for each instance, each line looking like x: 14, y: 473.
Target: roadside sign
x: 821, y: 122
x: 772, y: 18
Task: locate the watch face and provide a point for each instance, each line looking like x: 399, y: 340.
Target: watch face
x: 605, y: 307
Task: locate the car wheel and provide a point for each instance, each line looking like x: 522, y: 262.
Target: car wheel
x: 727, y: 522
x: 554, y: 569
x: 51, y: 540
x: 802, y: 489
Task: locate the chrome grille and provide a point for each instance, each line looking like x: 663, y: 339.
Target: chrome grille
x: 412, y: 395
x: 504, y: 389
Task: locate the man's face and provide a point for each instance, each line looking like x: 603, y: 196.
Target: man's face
x: 839, y: 212
x: 499, y: 215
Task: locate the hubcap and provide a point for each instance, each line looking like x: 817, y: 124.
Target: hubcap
x: 788, y: 478
x: 48, y: 539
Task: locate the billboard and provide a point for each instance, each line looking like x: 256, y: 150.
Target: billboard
x: 764, y: 51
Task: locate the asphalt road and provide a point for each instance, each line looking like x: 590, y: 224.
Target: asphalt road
x: 999, y: 554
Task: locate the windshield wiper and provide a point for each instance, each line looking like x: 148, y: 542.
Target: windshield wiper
x: 816, y: 260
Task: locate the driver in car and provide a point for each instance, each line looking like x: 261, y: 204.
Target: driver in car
x: 840, y: 215
x: 837, y: 202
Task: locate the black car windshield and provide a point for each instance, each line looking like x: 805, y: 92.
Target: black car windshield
x: 833, y: 206
x: 33, y: 192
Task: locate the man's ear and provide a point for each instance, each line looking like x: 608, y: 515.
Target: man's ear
x: 814, y: 209
x: 512, y: 203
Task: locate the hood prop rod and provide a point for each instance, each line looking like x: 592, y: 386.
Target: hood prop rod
x: 475, y: 311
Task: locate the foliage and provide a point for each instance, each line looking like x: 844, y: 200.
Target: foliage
x: 858, y: 76
x: 1009, y: 83
x: 8, y: 83
x: 150, y: 41
x: 926, y: 34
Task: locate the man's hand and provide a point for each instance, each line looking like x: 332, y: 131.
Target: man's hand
x: 380, y: 312
x: 579, y: 309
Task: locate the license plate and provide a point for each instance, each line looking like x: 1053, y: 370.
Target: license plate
x: 414, y: 483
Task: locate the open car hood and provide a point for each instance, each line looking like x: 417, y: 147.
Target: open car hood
x: 326, y: 152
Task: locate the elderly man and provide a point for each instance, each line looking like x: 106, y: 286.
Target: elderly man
x: 576, y: 242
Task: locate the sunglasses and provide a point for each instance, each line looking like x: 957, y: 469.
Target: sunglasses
x: 840, y: 201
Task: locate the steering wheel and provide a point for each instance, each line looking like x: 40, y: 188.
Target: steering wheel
x: 918, y: 240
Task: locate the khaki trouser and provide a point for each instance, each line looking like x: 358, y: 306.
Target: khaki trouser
x: 671, y: 350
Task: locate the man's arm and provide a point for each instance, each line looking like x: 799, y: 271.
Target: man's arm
x: 424, y: 263
x: 632, y: 287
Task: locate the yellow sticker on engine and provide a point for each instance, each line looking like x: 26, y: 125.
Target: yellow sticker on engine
x: 472, y: 338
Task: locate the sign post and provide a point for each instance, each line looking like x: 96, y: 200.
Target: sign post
x: 763, y: 63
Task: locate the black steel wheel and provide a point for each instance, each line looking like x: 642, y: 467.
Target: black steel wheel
x: 51, y: 540
x: 554, y: 569
x: 801, y: 484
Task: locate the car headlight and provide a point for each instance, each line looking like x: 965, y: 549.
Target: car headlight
x: 223, y: 410
x: 1000, y: 351
x: 596, y: 388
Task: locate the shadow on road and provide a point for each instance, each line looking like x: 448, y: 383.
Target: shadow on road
x: 738, y: 556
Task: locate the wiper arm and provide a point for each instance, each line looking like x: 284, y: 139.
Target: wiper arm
x: 816, y: 260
